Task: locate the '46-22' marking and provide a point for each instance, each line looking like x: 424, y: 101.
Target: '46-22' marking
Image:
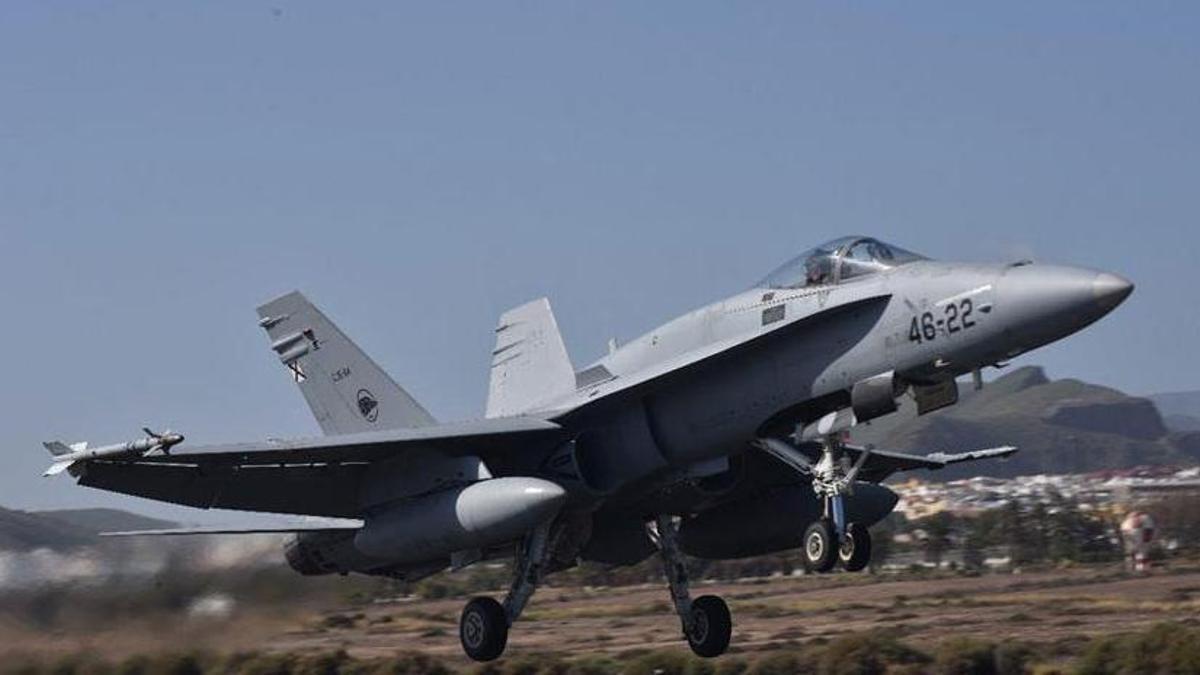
x: 956, y: 316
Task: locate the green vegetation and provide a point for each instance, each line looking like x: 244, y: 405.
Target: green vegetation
x: 1056, y: 532
x: 1167, y: 648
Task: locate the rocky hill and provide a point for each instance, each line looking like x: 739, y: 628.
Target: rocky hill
x: 1061, y: 426
x: 106, y: 520
x: 66, y: 530
x: 22, y: 531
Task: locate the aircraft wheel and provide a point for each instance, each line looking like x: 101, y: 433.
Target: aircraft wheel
x: 711, y: 626
x: 855, y: 551
x: 820, y: 547
x: 483, y: 629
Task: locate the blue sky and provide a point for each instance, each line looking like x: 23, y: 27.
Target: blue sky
x: 165, y: 167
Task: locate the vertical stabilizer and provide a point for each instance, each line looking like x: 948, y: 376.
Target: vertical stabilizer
x: 346, y: 390
x: 530, y: 363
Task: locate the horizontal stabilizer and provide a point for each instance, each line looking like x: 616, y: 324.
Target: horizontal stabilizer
x: 341, y: 525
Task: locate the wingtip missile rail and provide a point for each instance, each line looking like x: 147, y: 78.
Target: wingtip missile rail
x: 66, y: 456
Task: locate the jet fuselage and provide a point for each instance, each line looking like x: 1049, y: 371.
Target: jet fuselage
x: 772, y: 358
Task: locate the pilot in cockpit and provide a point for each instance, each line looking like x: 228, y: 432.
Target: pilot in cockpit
x: 838, y: 261
x: 818, y: 269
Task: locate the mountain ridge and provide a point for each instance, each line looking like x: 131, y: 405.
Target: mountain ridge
x: 1060, y: 426
x: 67, y: 529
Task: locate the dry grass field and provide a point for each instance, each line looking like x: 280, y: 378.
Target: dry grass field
x: 1057, y: 610
x: 1052, y: 608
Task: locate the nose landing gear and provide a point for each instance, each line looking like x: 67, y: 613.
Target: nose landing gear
x: 855, y: 552
x: 831, y: 539
x: 820, y: 547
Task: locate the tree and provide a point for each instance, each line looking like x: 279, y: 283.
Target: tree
x: 1014, y: 531
x: 973, y: 544
x: 883, y: 537
x: 1178, y: 518
x: 1065, y: 530
x: 937, y: 536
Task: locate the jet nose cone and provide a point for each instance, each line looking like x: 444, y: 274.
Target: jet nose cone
x: 1110, y: 290
x: 1044, y: 303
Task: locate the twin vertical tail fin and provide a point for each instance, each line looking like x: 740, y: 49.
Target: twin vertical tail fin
x: 346, y: 390
x: 530, y: 365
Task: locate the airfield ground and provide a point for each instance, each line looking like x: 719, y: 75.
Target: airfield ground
x: 1058, y: 607
x: 1057, y: 610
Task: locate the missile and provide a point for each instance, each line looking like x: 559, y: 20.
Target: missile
x: 65, y: 456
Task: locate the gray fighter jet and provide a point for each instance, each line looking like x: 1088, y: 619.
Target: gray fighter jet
x: 719, y: 434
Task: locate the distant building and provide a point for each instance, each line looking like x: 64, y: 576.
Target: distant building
x: 1115, y: 491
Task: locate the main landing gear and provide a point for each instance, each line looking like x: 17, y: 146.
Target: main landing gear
x: 706, y: 621
x: 830, y: 540
x: 483, y: 626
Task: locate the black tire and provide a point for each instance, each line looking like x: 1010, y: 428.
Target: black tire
x: 819, y: 547
x: 483, y: 629
x: 855, y: 551
x: 711, y: 626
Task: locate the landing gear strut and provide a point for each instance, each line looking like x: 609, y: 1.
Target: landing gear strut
x: 483, y: 627
x: 831, y: 539
x: 706, y: 621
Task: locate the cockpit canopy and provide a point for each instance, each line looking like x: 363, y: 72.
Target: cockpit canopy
x: 837, y: 261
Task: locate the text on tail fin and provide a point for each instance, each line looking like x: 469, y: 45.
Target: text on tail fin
x: 345, y: 389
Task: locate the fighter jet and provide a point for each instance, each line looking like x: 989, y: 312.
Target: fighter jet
x: 721, y: 433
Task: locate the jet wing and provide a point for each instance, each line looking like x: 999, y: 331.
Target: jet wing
x: 459, y: 438
x: 316, y: 477
x: 340, y: 526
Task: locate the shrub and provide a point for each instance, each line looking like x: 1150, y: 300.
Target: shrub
x: 410, y: 663
x: 669, y: 663
x: 731, y: 666
x: 782, y: 663
x: 964, y: 656
x: 867, y: 654
x: 1165, y: 648
x: 1012, y: 658
x: 327, y: 663
x: 593, y: 665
